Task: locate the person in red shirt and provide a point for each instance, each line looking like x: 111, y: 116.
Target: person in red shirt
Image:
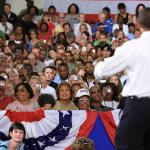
x: 44, y: 33
x: 4, y: 99
x: 47, y: 19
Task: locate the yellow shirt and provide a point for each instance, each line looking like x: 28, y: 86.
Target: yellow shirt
x: 60, y: 106
x: 58, y: 29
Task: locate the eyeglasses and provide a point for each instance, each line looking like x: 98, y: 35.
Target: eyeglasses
x: 84, y: 100
x: 82, y: 141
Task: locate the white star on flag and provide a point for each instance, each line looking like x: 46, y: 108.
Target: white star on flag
x: 65, y: 128
x: 53, y: 139
x: 65, y: 113
x: 40, y: 143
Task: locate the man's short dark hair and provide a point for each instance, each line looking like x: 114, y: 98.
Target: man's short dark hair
x: 131, y: 25
x: 63, y: 65
x: 66, y: 24
x: 11, y: 43
x: 88, y: 62
x: 46, y: 99
x: 28, y: 67
x: 144, y: 18
x: 50, y: 67
x: 7, y: 4
x: 34, y: 74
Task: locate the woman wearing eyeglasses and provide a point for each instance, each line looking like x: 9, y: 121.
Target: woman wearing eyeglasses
x: 83, y: 99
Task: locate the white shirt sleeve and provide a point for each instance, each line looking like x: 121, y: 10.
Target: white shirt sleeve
x: 113, y: 64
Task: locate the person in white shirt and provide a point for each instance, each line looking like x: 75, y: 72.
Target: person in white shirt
x: 110, y: 95
x: 5, y: 26
x: 82, y: 21
x: 133, y: 132
x: 45, y: 89
x: 121, y: 26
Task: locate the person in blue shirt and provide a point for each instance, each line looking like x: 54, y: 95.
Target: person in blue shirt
x: 109, y: 20
x: 17, y: 135
x: 104, y: 22
x: 131, y: 34
x: 63, y: 73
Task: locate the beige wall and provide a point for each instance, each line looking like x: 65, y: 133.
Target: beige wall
x: 18, y: 5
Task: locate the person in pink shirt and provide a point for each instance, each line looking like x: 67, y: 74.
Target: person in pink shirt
x: 23, y: 102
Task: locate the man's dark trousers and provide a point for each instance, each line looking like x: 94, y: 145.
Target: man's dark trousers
x: 133, y: 132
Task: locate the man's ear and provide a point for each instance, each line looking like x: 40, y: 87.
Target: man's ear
x: 138, y: 25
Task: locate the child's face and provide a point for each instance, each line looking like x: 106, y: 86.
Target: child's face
x: 12, y: 37
x: 17, y: 135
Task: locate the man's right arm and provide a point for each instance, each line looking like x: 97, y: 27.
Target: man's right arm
x: 114, y: 64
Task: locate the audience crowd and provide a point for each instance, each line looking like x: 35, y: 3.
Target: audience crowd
x: 47, y: 58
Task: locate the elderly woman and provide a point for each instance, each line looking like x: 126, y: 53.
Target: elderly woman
x: 23, y: 102
x: 64, y: 98
x: 83, y: 99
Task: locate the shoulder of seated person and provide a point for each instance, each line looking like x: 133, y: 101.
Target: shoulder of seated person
x: 3, y: 144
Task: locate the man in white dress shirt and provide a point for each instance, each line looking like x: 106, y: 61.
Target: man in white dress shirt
x: 133, y: 132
